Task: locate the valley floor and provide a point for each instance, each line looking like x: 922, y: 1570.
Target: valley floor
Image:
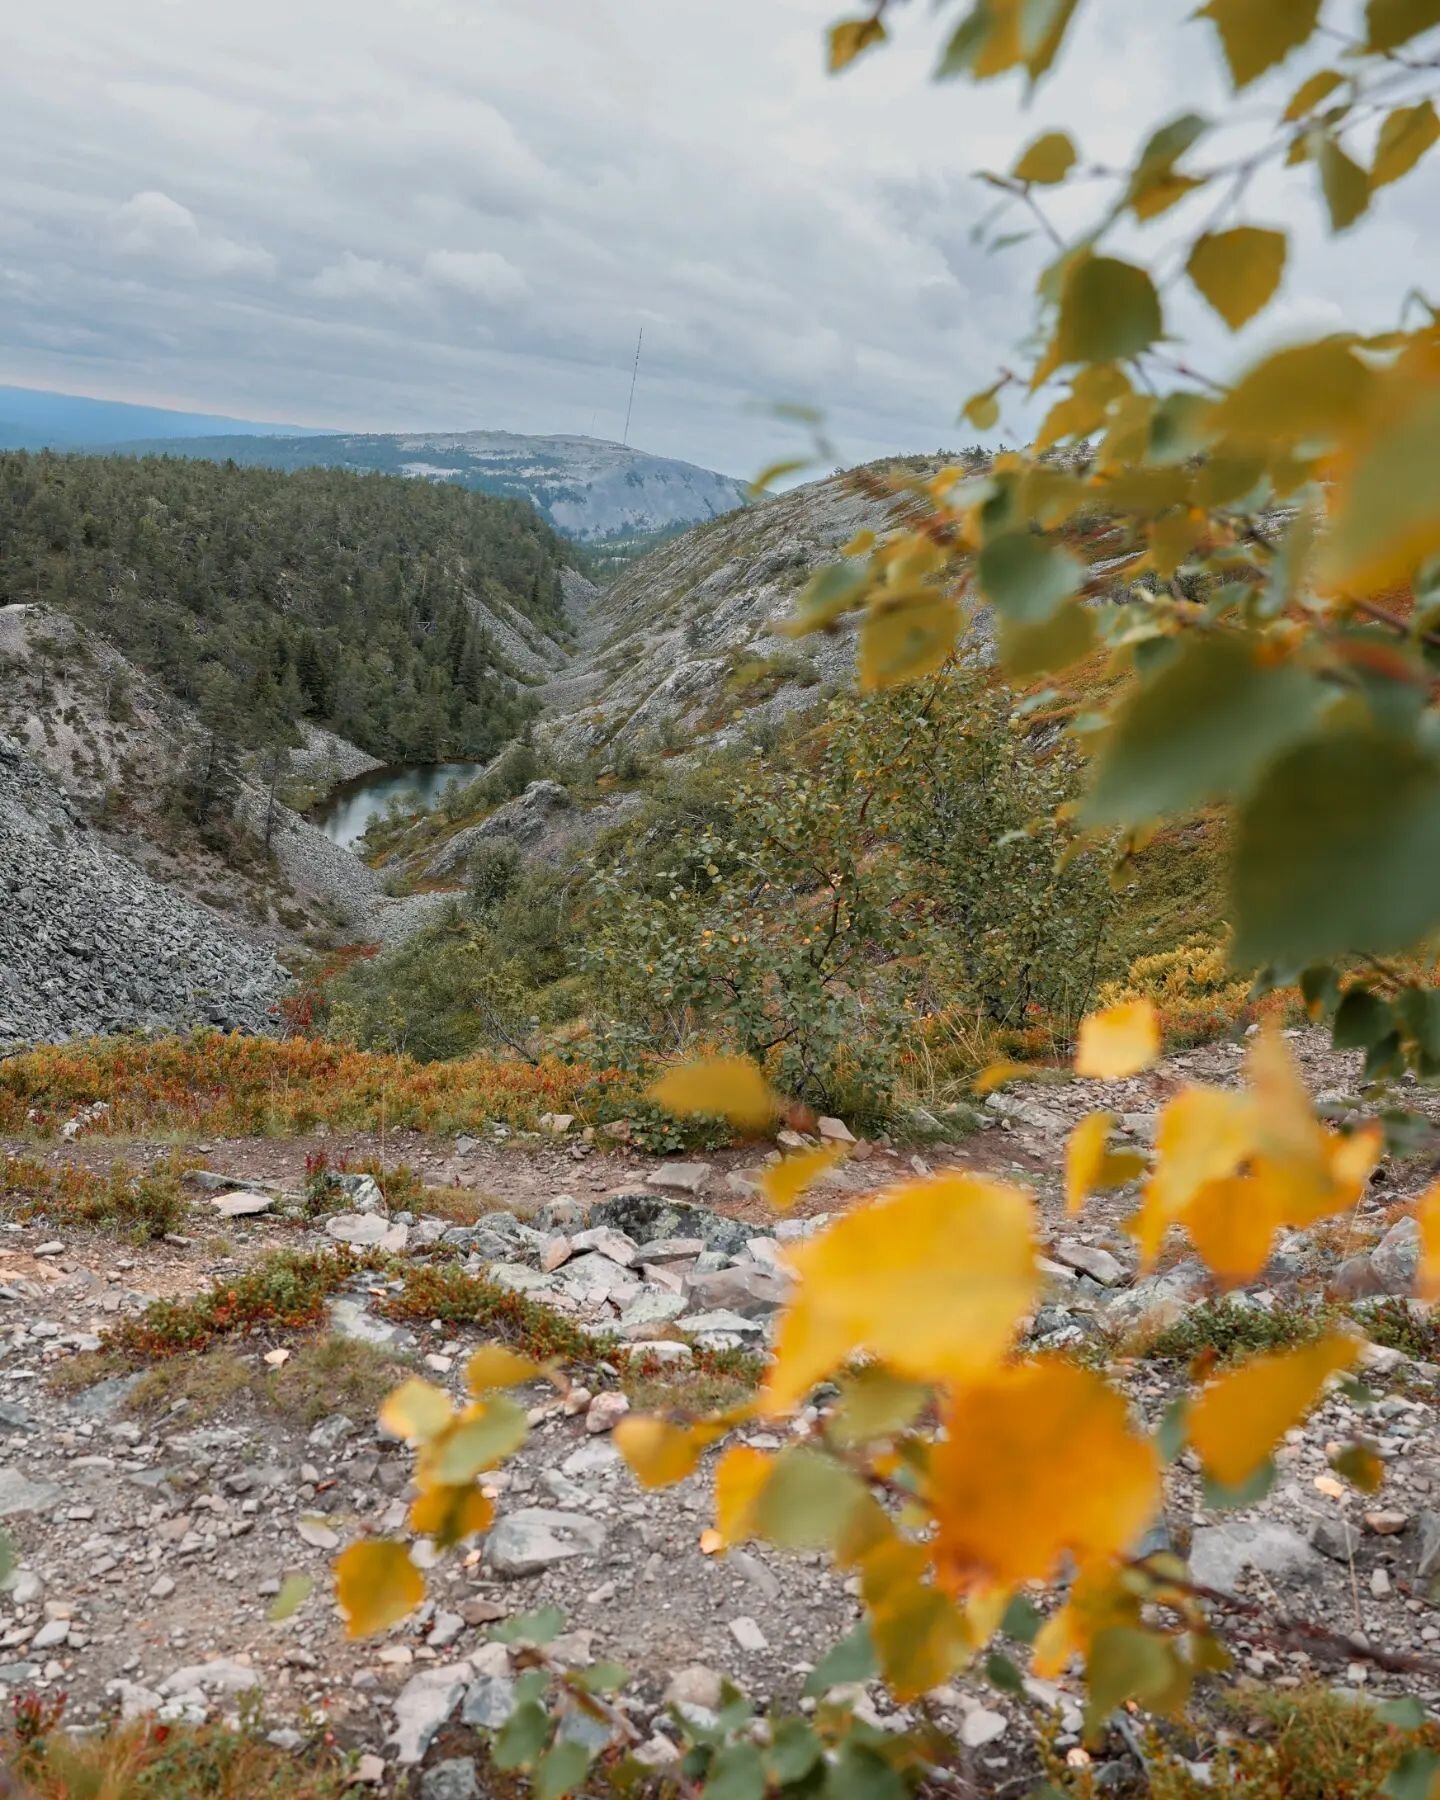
x: 158, y: 1505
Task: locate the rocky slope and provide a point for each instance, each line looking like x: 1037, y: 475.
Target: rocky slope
x: 586, y: 487
x: 154, y: 1524
x: 681, y: 646
x: 90, y: 944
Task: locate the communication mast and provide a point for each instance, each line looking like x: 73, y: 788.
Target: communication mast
x: 633, y: 379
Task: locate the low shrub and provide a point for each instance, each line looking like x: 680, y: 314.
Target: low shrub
x: 285, y: 1291
x: 1221, y: 1331
x: 146, y: 1202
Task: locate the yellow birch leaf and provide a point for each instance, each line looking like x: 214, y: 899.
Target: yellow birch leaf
x: 903, y: 639
x: 1098, y: 1602
x: 451, y: 1513
x: 1120, y: 1041
x: 741, y: 1476
x: 1204, y: 1134
x: 1085, y: 1157
x: 1237, y: 1421
x: 1007, y: 1508
x: 1238, y: 271
x: 495, y: 1366
x: 1345, y: 185
x: 1312, y: 91
x: 1427, y: 1213
x: 932, y: 1279
x: 729, y: 1087
x: 417, y: 1411
x: 1232, y: 1224
x: 1316, y: 390
x: 1384, y: 520
x: 1048, y: 160
x: 1406, y: 135
x: 998, y: 1073
x: 376, y: 1585
x: 482, y: 1436
x: 1254, y: 37
x: 660, y: 1453
x: 851, y: 38
x: 784, y: 1182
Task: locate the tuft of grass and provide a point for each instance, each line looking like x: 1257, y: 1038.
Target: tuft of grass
x: 324, y: 1375
x: 146, y: 1761
x: 445, y: 1292
x: 147, y: 1203
x: 1307, y: 1744
x: 689, y: 1388
x: 331, y: 1374
x: 207, y: 1381
x: 1219, y: 1332
x: 286, y: 1290
x: 1393, y: 1324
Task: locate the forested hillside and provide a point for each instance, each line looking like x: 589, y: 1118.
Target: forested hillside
x: 361, y: 603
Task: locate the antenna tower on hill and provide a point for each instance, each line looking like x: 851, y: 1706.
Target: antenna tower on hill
x: 633, y: 379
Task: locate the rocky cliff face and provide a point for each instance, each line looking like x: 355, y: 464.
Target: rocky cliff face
x: 89, y: 943
x: 681, y: 649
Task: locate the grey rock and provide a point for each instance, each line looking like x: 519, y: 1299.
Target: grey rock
x: 489, y: 1702
x: 239, y: 1203
x: 423, y: 1705
x: 746, y: 1289
x: 1336, y: 1538
x: 366, y: 1231
x: 535, y: 1538
x: 221, y: 1677
x: 721, y: 1321
x: 106, y: 1398
x: 330, y: 1433
x: 1091, y: 1260
x: 19, y: 1494
x: 1427, y: 1569
x: 1395, y: 1260
x: 454, y: 1779
x: 649, y: 1217
x: 352, y: 1319
x: 1219, y: 1553
x: 682, y: 1177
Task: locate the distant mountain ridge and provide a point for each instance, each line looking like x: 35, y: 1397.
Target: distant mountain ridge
x: 585, y: 487
x: 39, y: 419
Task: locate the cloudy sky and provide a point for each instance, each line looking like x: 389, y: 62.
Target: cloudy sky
x: 456, y: 214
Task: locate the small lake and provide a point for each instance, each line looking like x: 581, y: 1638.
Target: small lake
x: 344, y: 815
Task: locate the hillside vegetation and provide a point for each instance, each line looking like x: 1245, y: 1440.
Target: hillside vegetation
x: 357, y: 603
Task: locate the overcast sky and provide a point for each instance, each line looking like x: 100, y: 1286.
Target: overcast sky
x: 390, y: 214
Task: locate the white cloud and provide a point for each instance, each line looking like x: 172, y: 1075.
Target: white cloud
x: 355, y: 277
x: 461, y: 215
x: 155, y: 228
x: 480, y: 274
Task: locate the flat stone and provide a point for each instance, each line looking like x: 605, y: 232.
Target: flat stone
x: 423, y: 1705
x: 649, y: 1308
x: 222, y: 1676
x: 1218, y: 1553
x: 557, y: 1252
x: 352, y: 1319
x: 746, y: 1289
x: 673, y: 1249
x: 748, y: 1635
x: 240, y: 1203
x: 489, y: 1702
x: 1336, y: 1538
x: 317, y: 1534
x: 616, y: 1245
x: 982, y: 1726
x: 835, y: 1131
x: 1090, y: 1260
x: 19, y: 1494
x: 665, y: 1351
x: 454, y: 1779
x: 1395, y: 1260
x: 106, y: 1398
x: 556, y: 1123
x: 721, y: 1320
x: 537, y: 1537
x: 682, y: 1177
x: 364, y: 1230
x: 520, y: 1278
